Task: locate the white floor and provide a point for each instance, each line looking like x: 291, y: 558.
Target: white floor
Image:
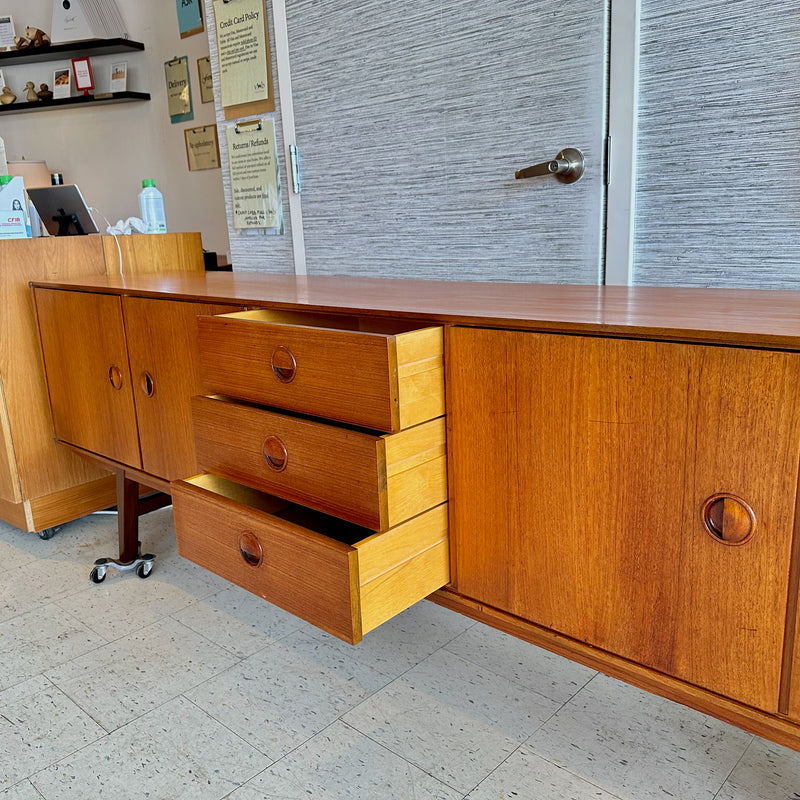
x: 181, y: 686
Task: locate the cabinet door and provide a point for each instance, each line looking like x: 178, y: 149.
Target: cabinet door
x: 86, y: 361
x: 579, y: 472
x: 162, y: 343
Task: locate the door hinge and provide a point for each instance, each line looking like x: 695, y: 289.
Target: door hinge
x: 295, y: 169
x: 608, y: 161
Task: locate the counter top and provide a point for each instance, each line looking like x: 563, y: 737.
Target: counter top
x: 749, y: 317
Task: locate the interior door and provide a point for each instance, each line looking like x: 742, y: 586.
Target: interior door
x: 412, y: 119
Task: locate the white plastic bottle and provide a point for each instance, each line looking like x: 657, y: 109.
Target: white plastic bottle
x: 151, y: 205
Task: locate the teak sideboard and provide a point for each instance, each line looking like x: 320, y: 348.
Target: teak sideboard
x: 41, y: 484
x: 608, y: 472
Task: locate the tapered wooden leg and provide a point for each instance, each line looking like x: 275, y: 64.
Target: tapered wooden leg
x: 127, y: 517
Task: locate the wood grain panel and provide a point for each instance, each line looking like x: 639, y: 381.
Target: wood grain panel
x: 345, y: 376
x: 348, y: 376
x: 142, y: 255
x: 162, y: 342
x: 747, y: 317
x: 42, y: 466
x: 72, y: 502
x: 9, y: 479
x: 309, y: 576
x: 83, y: 339
x: 334, y: 470
x: 578, y: 472
x: 374, y: 481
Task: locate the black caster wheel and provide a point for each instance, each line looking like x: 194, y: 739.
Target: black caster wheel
x: 144, y: 570
x: 95, y: 576
x: 48, y: 533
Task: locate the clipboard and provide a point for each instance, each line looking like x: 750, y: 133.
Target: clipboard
x: 245, y: 64
x: 253, y: 165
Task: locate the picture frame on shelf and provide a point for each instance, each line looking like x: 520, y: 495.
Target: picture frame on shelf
x: 82, y: 70
x: 119, y: 76
x: 62, y: 84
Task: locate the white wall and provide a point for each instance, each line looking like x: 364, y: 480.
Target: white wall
x: 108, y: 150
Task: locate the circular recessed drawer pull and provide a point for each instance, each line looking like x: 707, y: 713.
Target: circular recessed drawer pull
x: 275, y: 453
x: 147, y: 383
x: 115, y: 377
x: 283, y: 364
x: 729, y: 519
x: 250, y: 549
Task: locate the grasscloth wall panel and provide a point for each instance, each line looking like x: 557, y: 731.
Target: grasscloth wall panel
x: 718, y: 193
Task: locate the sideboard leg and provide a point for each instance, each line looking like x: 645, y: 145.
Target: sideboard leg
x: 127, y: 517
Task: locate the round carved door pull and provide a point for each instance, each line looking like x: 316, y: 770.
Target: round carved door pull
x: 729, y: 519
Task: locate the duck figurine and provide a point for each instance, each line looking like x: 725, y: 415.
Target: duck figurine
x: 7, y: 97
x: 30, y: 92
x: 44, y: 92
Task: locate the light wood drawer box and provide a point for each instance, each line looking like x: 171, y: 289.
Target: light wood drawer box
x: 384, y: 375
x: 347, y: 582
x: 373, y: 480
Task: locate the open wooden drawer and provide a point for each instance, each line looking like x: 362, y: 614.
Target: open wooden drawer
x: 371, y: 479
x: 381, y: 374
x: 338, y: 576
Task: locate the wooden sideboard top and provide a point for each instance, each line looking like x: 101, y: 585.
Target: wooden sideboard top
x: 749, y: 317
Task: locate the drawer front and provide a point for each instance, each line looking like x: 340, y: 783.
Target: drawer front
x: 374, y: 481
x: 349, y: 376
x: 347, y: 588
x: 306, y: 575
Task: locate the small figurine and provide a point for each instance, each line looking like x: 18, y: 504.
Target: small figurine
x: 30, y: 93
x: 7, y: 97
x: 34, y: 37
x: 44, y: 93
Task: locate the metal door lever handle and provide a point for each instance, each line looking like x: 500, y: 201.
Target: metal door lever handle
x: 567, y: 166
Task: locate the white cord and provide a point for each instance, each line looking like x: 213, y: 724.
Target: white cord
x: 113, y: 233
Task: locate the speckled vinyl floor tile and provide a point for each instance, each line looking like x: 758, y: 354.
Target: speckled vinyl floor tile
x: 639, y: 746
x: 282, y: 695
x: 451, y: 718
x: 341, y: 764
x: 175, y: 752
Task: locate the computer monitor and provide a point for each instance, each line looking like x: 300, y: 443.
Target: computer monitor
x: 63, y: 210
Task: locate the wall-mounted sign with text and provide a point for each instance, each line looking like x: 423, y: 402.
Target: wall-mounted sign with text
x: 179, y: 90
x: 202, y: 147
x: 245, y: 73
x: 255, y: 187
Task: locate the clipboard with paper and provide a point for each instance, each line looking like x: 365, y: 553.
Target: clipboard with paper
x: 253, y: 163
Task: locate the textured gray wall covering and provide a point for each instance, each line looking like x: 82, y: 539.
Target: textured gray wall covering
x: 412, y: 118
x: 252, y: 250
x: 718, y: 189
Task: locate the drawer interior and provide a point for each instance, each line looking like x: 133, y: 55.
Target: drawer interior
x: 386, y: 326
x: 312, y: 521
